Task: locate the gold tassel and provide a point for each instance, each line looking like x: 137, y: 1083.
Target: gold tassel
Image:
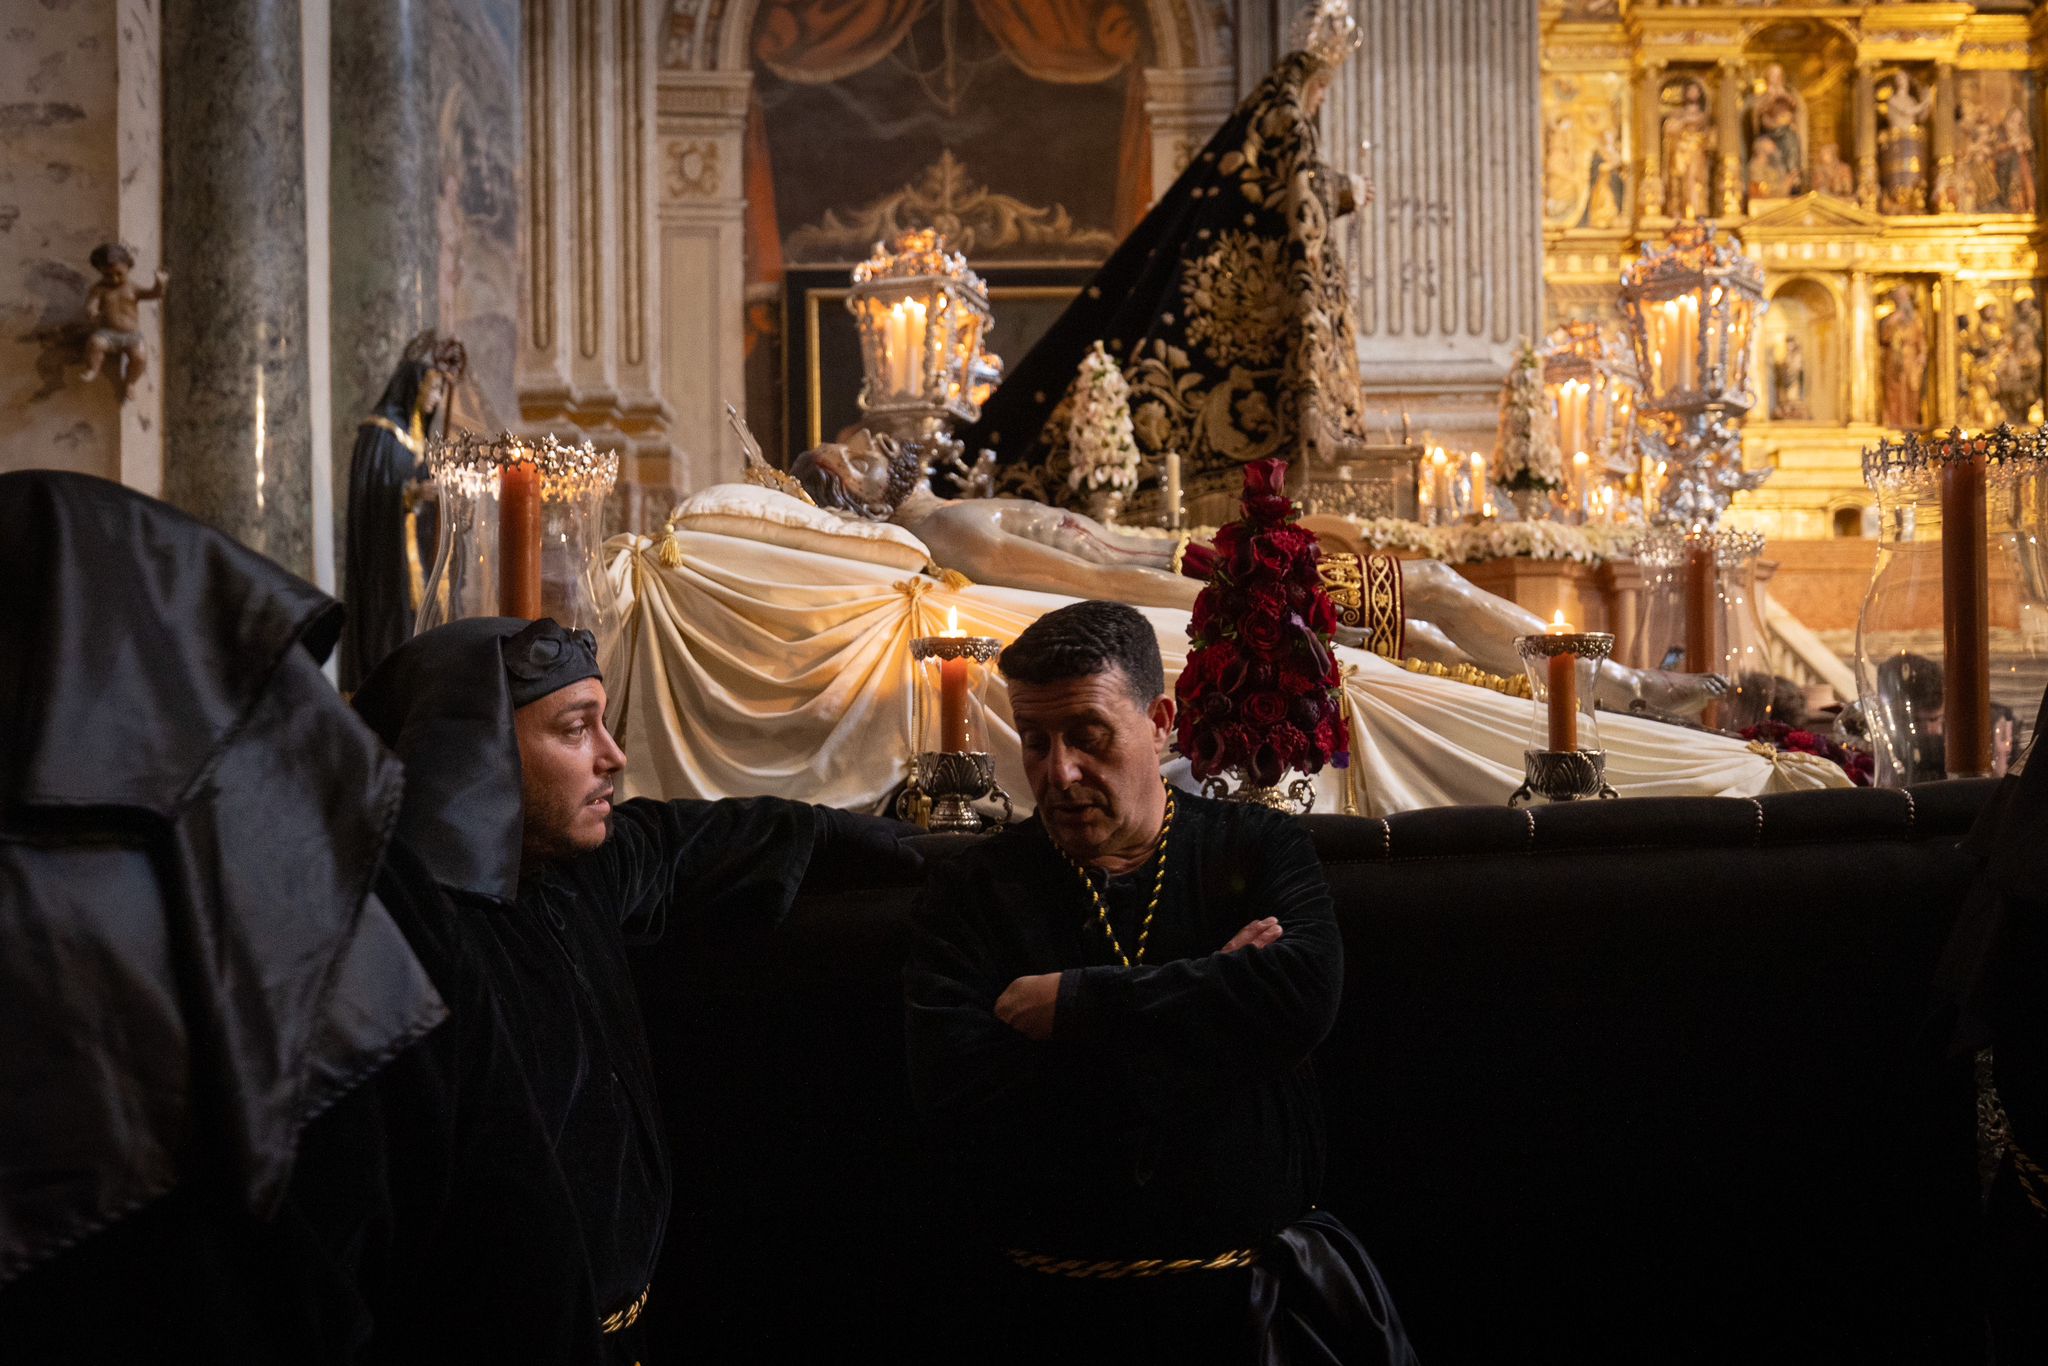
x: 951, y: 579
x: 1351, y: 773
x: 670, y: 550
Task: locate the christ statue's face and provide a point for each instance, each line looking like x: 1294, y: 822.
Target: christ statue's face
x: 862, y: 471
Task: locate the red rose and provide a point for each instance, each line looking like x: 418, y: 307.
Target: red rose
x: 1262, y: 633
x: 1305, y: 712
x: 1322, y: 614
x: 1295, y: 681
x: 1268, y: 509
x: 1330, y: 736
x: 1268, y: 554
x: 1265, y: 708
x: 1295, y: 540
x: 1805, y: 740
x: 1216, y: 707
x: 1265, y: 477
x: 1198, y: 561
x: 1267, y: 600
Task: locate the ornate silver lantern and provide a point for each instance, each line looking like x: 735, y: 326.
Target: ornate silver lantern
x: 923, y: 317
x: 1692, y: 303
x: 1589, y: 376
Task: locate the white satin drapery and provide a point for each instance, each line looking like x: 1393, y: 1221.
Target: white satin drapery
x: 748, y: 669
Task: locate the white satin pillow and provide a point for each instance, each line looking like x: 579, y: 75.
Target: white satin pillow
x: 772, y: 516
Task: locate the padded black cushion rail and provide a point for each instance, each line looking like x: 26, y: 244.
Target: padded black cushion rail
x: 1641, y: 1080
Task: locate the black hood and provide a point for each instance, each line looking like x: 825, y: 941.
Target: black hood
x: 173, y: 745
x: 443, y: 703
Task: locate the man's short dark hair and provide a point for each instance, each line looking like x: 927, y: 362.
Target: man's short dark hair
x: 1084, y: 639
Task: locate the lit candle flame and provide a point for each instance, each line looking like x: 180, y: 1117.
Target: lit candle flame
x: 953, y: 622
x: 1558, y: 625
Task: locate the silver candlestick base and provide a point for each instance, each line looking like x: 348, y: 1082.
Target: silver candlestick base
x: 1562, y: 775
x: 943, y: 788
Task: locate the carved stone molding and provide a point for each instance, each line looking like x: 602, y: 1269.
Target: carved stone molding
x: 975, y: 219
x: 689, y: 168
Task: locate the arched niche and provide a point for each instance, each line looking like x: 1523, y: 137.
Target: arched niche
x: 1801, y: 365
x: 1797, y: 96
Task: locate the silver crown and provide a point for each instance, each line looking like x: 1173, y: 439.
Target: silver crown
x: 1326, y: 31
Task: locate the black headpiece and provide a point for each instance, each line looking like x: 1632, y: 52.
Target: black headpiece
x: 444, y: 702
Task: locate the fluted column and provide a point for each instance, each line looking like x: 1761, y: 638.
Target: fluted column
x: 238, y: 443
x: 384, y: 239
x: 1450, y: 271
x: 1866, y: 135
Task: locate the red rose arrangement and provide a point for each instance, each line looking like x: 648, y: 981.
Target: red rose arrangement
x: 1857, y: 763
x: 1260, y: 693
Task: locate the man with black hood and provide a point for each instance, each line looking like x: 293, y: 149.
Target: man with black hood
x: 512, y: 799
x: 256, y: 1101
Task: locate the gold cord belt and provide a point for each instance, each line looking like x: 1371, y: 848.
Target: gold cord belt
x: 1141, y: 1267
x: 621, y: 1319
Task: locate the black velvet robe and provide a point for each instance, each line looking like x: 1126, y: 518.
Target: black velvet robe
x: 1172, y: 1114
x: 1994, y: 993
x: 560, y: 953
x: 554, y: 938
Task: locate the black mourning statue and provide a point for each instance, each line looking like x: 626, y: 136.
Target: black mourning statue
x: 385, y: 469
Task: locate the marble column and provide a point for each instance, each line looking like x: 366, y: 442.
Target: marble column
x: 381, y: 210
x: 1866, y: 135
x: 238, y: 440
x: 1450, y: 271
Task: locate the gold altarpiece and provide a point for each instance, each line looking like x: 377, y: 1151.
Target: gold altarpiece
x: 1881, y: 160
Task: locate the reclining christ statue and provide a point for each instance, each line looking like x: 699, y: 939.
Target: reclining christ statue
x: 1018, y: 543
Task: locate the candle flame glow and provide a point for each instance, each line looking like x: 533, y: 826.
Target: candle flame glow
x: 953, y: 622
x: 1558, y: 625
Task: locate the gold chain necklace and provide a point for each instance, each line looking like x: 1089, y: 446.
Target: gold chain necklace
x: 1158, y: 886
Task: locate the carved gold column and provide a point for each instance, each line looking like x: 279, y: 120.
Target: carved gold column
x: 1866, y: 134
x: 1943, y: 136
x: 1862, y: 401
x: 1943, y: 325
x: 1733, y: 170
x: 1650, y: 201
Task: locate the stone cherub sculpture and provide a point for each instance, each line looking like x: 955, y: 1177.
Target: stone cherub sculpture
x: 113, y: 307
x: 1017, y: 543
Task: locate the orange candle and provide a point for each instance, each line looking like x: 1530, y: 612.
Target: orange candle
x: 954, y: 683
x: 1965, y: 620
x: 1701, y: 598
x: 519, y: 540
x: 1563, y: 693
x: 953, y: 736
